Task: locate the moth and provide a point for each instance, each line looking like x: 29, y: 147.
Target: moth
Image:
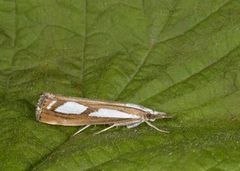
x: 73, y: 111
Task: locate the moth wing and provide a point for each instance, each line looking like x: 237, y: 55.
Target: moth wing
x: 75, y: 112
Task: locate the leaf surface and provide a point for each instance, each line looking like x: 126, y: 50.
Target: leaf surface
x: 181, y: 57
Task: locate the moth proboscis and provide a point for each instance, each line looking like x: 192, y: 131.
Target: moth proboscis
x: 73, y: 111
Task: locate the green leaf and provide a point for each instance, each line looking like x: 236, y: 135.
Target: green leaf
x: 181, y: 57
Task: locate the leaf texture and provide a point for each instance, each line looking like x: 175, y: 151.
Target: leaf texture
x: 181, y: 57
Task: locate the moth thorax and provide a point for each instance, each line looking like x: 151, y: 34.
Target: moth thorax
x: 151, y: 117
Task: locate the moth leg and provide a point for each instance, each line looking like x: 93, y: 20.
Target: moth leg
x: 105, y: 129
x: 80, y: 130
x: 160, y: 130
x: 133, y: 125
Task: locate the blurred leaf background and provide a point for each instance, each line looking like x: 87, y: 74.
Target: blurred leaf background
x: 177, y: 56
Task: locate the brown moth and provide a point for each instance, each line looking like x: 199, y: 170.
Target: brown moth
x: 73, y: 111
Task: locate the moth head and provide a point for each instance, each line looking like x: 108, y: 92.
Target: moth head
x: 157, y: 115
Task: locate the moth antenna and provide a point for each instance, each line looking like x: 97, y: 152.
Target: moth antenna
x: 105, y: 129
x: 160, y: 130
x: 80, y: 130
